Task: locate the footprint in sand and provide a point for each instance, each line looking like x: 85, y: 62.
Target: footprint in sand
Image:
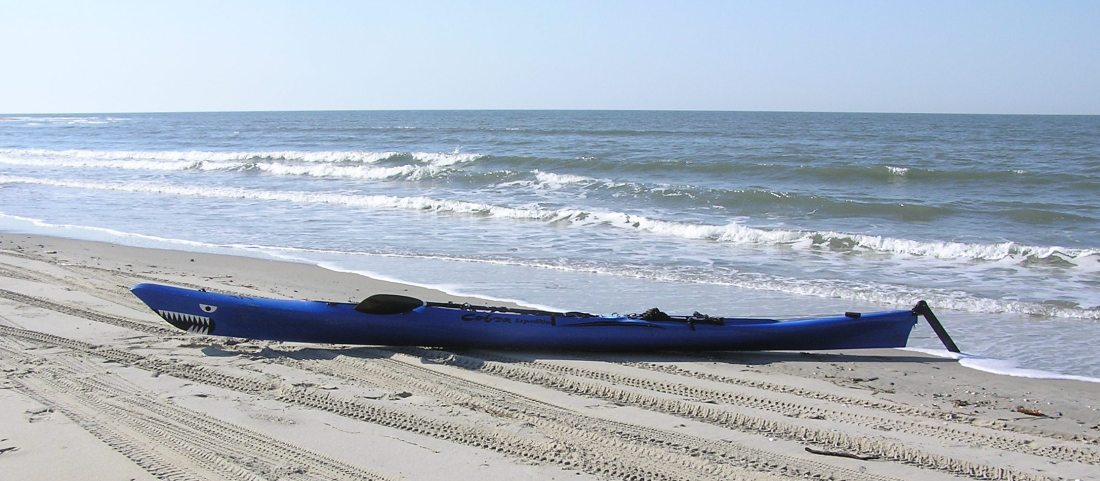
x: 39, y: 415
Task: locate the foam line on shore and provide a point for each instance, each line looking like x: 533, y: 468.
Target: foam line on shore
x: 1003, y: 367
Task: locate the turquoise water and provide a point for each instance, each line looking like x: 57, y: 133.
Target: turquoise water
x: 993, y: 219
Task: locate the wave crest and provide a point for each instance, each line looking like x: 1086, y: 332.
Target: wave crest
x: 733, y: 233
x: 346, y: 164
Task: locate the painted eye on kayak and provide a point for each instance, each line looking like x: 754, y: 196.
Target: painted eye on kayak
x: 207, y: 308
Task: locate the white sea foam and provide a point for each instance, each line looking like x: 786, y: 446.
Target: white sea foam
x: 152, y: 165
x: 1000, y: 366
x: 444, y: 160
x: 367, y: 172
x: 273, y: 252
x: 447, y: 288
x: 551, y: 180
x: 554, y: 181
x: 345, y: 171
x: 36, y: 120
x: 350, y: 165
x: 15, y: 156
x: 109, y: 232
x: 886, y: 294
x: 369, y: 201
x: 733, y: 233
x: 946, y: 250
x: 337, y: 261
x: 875, y: 294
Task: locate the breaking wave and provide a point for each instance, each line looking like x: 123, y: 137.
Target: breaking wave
x: 125, y: 159
x: 34, y: 120
x: 872, y: 293
x: 345, y: 164
x: 733, y: 233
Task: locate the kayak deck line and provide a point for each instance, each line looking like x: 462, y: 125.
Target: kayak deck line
x: 387, y: 304
x: 393, y: 304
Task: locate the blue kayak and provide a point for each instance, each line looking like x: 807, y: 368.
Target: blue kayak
x: 405, y: 321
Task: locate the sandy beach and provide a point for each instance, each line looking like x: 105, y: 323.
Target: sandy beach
x: 95, y: 386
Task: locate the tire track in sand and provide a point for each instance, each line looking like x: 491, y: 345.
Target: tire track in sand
x: 587, y: 457
x: 944, y: 428
x: 833, y: 440
x: 90, y: 315
x: 167, y: 440
x: 561, y: 423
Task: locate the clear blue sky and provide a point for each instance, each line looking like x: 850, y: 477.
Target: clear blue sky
x: 968, y: 56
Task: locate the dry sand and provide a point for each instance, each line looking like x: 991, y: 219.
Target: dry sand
x: 94, y: 386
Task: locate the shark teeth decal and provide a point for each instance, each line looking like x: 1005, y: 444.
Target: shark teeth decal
x: 188, y: 322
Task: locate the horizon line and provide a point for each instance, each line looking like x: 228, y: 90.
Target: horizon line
x: 863, y: 112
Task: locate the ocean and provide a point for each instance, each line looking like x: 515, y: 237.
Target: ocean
x: 994, y: 220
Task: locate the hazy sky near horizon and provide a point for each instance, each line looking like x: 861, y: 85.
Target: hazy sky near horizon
x: 979, y: 56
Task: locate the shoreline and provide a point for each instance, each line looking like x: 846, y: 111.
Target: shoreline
x: 73, y: 339
x: 381, y: 284
x: 300, y: 280
x: 1009, y: 343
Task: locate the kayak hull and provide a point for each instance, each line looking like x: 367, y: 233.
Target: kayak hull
x: 456, y: 326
